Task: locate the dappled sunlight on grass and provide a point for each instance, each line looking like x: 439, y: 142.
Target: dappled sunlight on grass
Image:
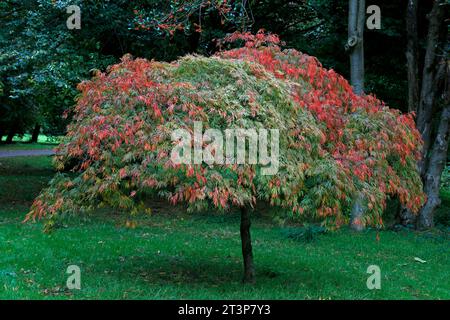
x: 23, y: 141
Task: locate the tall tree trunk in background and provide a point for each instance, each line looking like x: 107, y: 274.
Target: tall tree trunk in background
x: 424, y: 102
x: 35, y: 134
x: 2, y: 133
x: 10, y: 136
x: 430, y: 79
x: 412, y: 55
x: 432, y: 184
x: 247, y: 252
x: 407, y: 217
x: 12, y: 131
x: 355, y: 44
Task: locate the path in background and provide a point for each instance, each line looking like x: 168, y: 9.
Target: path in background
x: 26, y: 153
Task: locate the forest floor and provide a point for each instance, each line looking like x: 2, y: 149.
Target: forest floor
x: 174, y: 255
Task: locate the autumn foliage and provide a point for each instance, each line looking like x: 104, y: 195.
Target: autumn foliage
x: 333, y: 143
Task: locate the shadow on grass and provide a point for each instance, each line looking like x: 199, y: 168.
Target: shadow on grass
x: 220, y: 272
x: 27, y: 167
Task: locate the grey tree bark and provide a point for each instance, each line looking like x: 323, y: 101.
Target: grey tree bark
x: 437, y: 162
x: 430, y: 77
x: 407, y: 217
x: 357, y: 213
x: 412, y: 55
x: 355, y: 45
x: 423, y: 101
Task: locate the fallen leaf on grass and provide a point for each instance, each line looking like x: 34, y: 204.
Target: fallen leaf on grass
x: 419, y: 260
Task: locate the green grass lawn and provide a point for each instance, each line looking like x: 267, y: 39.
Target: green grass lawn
x: 42, y: 139
x: 173, y: 255
x: 21, y: 143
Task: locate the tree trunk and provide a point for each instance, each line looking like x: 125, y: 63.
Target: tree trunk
x: 2, y: 133
x: 357, y: 213
x: 433, y: 176
x: 412, y: 55
x: 355, y: 43
x: 423, y: 101
x: 12, y: 132
x: 407, y: 217
x: 247, y: 253
x: 35, y: 134
x: 429, y: 89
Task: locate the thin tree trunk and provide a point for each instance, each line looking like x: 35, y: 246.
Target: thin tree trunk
x: 412, y: 55
x: 437, y: 162
x: 357, y: 213
x: 35, y: 134
x: 10, y: 137
x: 355, y: 43
x: 247, y: 253
x: 2, y: 133
x: 407, y: 217
x: 12, y: 132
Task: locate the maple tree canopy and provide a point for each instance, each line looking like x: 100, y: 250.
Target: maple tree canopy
x: 333, y: 143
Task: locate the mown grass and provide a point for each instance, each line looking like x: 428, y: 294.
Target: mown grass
x: 25, y: 138
x: 22, y: 143
x: 174, y: 255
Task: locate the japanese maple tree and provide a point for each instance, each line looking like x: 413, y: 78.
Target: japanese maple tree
x: 333, y: 143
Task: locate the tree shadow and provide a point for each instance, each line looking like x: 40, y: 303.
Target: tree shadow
x: 173, y: 269
x: 219, y: 272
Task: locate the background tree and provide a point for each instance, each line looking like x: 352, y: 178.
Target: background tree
x: 355, y: 46
x: 428, y: 97
x: 355, y: 43
x: 41, y: 63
